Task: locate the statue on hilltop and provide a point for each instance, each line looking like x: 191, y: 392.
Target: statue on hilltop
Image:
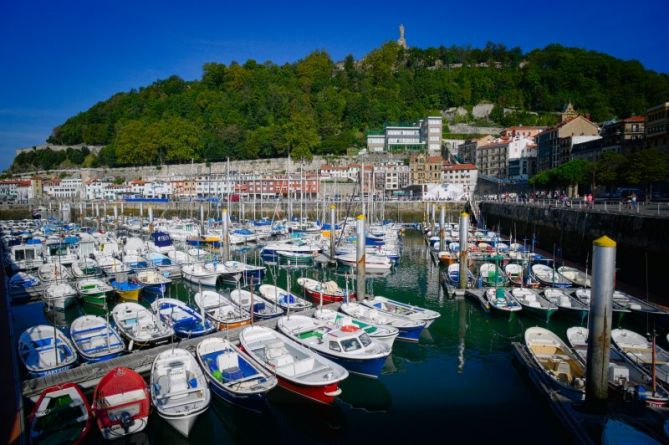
x: 402, y: 41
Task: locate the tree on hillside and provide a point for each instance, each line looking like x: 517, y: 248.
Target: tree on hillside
x: 645, y: 167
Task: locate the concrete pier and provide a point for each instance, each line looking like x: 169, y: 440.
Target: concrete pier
x: 360, y: 258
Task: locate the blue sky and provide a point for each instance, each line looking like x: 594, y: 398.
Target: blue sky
x: 60, y: 57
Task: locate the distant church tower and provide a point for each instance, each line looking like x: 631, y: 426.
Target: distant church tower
x: 402, y: 41
x: 569, y: 112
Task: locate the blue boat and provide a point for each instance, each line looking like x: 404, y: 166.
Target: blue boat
x: 185, y: 321
x: 161, y: 242
x: 95, y: 339
x: 45, y: 350
x: 232, y: 375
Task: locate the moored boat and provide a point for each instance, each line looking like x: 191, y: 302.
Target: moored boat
x: 566, y: 303
x: 534, y: 303
x: 557, y: 362
x: 347, y: 345
x: 548, y: 276
x: 153, y: 282
x: 409, y: 330
x: 61, y: 415
x: 179, y: 390
x: 577, y: 277
x: 126, y: 289
x: 283, y: 298
x: 196, y: 273
x: 121, y: 403
x: 262, y: 309
x: 233, y: 375
x: 514, y: 272
x: 93, y: 291
x: 140, y: 326
x: 94, y: 339
x: 623, y: 375
x: 491, y: 275
x: 639, y: 351
x: 59, y: 295
x: 384, y: 334
x: 86, y: 268
x: 502, y: 300
x: 186, y: 321
x: 220, y: 310
x: 45, y: 350
x: 328, y: 291
x: 298, y: 369
x: 393, y: 307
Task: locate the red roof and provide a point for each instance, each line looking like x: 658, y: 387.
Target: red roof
x: 635, y: 119
x: 460, y: 167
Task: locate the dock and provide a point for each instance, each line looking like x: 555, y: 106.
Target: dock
x: 87, y: 375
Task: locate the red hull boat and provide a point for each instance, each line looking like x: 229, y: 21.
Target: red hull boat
x: 60, y: 415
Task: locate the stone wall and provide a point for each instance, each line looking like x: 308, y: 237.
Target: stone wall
x: 641, y: 239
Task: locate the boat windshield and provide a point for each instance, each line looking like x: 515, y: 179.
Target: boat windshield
x: 350, y: 344
x: 366, y: 341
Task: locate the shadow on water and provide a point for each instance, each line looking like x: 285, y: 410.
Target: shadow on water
x: 363, y: 393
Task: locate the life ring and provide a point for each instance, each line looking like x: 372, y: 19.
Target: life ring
x: 349, y: 328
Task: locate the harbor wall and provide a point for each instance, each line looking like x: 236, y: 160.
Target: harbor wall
x: 643, y: 241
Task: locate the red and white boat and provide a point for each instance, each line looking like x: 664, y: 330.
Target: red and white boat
x: 298, y: 369
x: 61, y: 415
x: 328, y: 291
x: 121, y: 403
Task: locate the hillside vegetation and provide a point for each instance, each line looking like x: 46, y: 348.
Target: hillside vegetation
x: 314, y: 106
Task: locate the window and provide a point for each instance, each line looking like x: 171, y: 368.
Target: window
x: 366, y: 341
x: 350, y: 344
x: 335, y: 346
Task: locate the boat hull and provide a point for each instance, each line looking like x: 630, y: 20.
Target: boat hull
x: 183, y: 424
x: 128, y: 295
x: 411, y: 334
x: 322, y: 394
x: 205, y: 280
x: 252, y: 402
x: 327, y: 298
x: 237, y: 324
x: 370, y: 367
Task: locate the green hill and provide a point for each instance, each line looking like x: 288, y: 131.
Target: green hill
x: 315, y: 106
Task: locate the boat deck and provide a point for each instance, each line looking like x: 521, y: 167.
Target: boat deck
x: 88, y: 375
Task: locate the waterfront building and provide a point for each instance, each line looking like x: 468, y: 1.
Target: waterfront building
x: 554, y: 144
x: 461, y: 174
x: 423, y: 135
x: 8, y: 188
x: 492, y: 159
x: 467, y: 150
x: 657, y: 127
x: 621, y: 136
x: 426, y: 169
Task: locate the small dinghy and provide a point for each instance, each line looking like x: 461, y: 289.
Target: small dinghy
x: 220, y: 310
x: 86, y: 268
x: 393, y: 307
x: 59, y: 296
x: 61, y: 415
x: 262, y: 309
x: 514, y: 272
x: 93, y: 291
x: 636, y: 305
x: 347, y: 345
x: 623, y: 376
x: 548, y: 276
x: 178, y: 257
x: 557, y: 362
x: 492, y: 275
x: 185, y: 320
x: 164, y: 264
x: 639, y: 352
x: 196, y: 273
x: 327, y: 291
x: 577, y: 277
x: 583, y: 295
x: 298, y: 369
x: 45, y: 350
x: 248, y: 271
x: 94, y: 339
x: 140, y: 326
x: 153, y: 282
x: 121, y: 403
x: 409, y: 330
x: 534, y: 303
x: 179, y: 390
x: 283, y: 298
x: 566, y: 303
x: 135, y: 263
x: 233, y: 375
x: 501, y: 300
x: 225, y: 274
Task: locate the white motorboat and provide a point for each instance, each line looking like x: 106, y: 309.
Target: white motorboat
x: 262, y: 309
x: 283, y: 298
x: 59, y: 295
x: 639, y: 351
x: 385, y: 334
x: 198, y: 274
x: 140, y: 326
x: 95, y: 339
x: 409, y: 311
x: 179, y: 390
x: 220, y: 310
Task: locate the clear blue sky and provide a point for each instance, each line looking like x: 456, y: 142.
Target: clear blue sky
x: 60, y: 57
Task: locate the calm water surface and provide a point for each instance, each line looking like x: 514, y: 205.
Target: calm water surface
x: 459, y: 384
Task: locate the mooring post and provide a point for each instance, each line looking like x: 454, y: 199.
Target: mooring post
x: 360, y: 258
x: 201, y: 220
x: 150, y: 215
x: 442, y: 228
x: 226, y: 236
x: 464, y: 231
x: 333, y: 230
x: 434, y: 219
x: 599, y: 323
x: 141, y: 210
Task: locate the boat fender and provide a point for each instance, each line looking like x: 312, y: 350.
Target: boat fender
x: 349, y: 328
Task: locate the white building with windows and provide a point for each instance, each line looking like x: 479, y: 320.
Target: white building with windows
x: 214, y: 185
x: 417, y: 136
x: 465, y: 175
x: 66, y: 188
x: 431, y: 132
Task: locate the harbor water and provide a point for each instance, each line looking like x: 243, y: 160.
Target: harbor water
x: 459, y: 384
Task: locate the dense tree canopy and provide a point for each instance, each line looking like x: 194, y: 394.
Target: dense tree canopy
x: 315, y: 106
